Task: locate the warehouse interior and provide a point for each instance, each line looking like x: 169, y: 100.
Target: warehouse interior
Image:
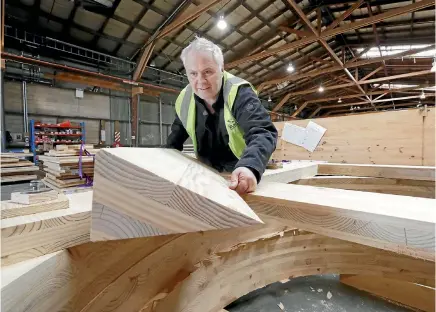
x: 80, y: 76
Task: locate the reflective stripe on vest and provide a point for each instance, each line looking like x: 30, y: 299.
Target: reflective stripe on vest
x: 185, y: 109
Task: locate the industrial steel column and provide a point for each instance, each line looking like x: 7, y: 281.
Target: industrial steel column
x: 134, y: 119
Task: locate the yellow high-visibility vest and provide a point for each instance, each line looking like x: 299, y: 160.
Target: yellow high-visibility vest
x: 185, y: 109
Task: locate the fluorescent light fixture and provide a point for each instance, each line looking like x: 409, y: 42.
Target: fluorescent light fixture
x: 422, y: 96
x: 321, y: 88
x: 339, y: 101
x: 222, y: 24
x: 290, y: 68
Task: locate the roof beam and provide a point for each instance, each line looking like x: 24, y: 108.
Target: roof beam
x: 346, y: 65
x: 186, y: 17
x: 372, y: 73
x: 345, y: 15
x: 336, y: 31
x: 412, y: 74
x: 300, y: 33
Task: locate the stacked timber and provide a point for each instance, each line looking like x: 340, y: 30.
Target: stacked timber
x: 14, y: 169
x: 66, y: 170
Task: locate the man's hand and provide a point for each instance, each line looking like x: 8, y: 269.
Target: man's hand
x: 243, y: 181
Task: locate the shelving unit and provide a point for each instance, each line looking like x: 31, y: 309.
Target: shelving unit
x: 54, y: 133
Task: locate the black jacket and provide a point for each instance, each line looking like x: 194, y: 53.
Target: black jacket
x: 212, y: 138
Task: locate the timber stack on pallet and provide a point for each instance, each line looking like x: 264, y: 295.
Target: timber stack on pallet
x: 196, y: 249
x: 14, y: 168
x: 62, y: 167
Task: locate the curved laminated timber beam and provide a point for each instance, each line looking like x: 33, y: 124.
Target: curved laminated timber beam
x: 153, y: 192
x: 193, y: 272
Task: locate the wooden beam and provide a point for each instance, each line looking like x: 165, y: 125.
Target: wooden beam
x: 162, y: 200
x: 281, y: 103
x: 101, y: 276
x: 300, y: 109
x: 143, y: 60
x: 188, y: 16
x: 412, y: 74
x: 421, y: 173
x: 350, y: 96
x: 314, y: 73
x: 86, y: 80
x: 344, y: 15
x: 377, y: 220
x: 26, y: 237
x: 392, y: 186
x: 300, y: 33
x: 372, y: 73
x: 318, y: 21
x: 408, y: 294
x: 361, y: 53
x: 11, y: 209
x: 333, y: 32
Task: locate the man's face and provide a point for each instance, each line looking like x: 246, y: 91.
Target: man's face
x: 204, y: 75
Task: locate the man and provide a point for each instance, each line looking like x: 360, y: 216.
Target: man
x: 230, y: 129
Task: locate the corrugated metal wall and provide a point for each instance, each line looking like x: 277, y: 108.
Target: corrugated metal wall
x: 53, y: 104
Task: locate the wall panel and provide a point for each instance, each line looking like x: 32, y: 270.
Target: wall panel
x: 394, y: 137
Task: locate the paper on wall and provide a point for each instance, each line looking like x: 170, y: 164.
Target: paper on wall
x: 314, y: 133
x: 293, y: 134
x: 307, y: 138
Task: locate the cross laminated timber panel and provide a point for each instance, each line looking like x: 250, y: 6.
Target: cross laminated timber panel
x: 386, y: 138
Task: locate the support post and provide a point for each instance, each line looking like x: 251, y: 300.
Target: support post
x: 134, y: 120
x: 160, y: 121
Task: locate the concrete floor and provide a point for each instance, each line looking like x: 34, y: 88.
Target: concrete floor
x: 309, y: 294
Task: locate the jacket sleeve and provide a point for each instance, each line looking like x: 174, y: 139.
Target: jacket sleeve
x: 178, y: 135
x: 260, y: 133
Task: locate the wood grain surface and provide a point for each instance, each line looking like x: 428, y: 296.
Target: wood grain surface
x: 160, y: 191
x: 379, y: 220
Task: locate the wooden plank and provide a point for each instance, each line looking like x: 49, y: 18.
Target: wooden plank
x: 404, y: 293
x: 33, y: 198
x: 24, y: 163
x: 10, y: 209
x: 15, y: 154
x: 9, y: 160
x: 65, y: 160
x: 423, y: 173
x: 358, y: 139
x: 66, y: 190
x: 16, y: 178
x: 19, y: 169
x: 378, y: 220
x: 290, y: 172
x: 344, y: 15
x: 414, y: 188
x: 30, y: 236
x: 135, y: 196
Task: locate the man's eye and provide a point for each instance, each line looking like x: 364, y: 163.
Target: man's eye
x: 194, y: 74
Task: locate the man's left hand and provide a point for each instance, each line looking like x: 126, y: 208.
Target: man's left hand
x: 243, y: 181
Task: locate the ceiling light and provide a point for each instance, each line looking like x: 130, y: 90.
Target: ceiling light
x: 433, y: 67
x: 290, y: 68
x: 339, y: 101
x: 222, y: 24
x: 269, y: 99
x: 295, y: 107
x: 422, y: 96
x: 321, y: 88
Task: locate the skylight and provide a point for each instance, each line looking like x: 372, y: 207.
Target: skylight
x: 392, y: 50
x: 402, y: 86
